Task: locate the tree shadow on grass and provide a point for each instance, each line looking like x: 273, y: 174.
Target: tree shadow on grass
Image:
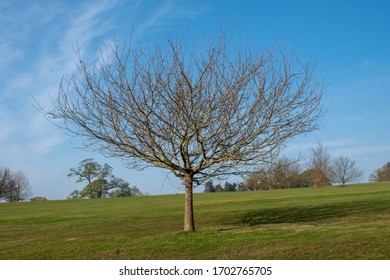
x: 312, y: 213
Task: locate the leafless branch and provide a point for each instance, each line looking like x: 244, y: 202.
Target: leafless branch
x: 197, y: 112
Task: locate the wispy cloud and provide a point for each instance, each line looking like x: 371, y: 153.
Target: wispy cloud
x: 362, y: 150
x: 349, y: 147
x: 36, y: 70
x: 169, y: 13
x: 37, y: 46
x: 370, y: 64
x: 331, y: 144
x: 157, y: 16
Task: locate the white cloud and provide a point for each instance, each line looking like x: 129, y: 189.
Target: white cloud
x: 169, y: 13
x: 38, y: 40
x: 361, y: 150
x: 331, y: 144
x: 157, y: 16
x: 370, y: 64
x: 41, y: 72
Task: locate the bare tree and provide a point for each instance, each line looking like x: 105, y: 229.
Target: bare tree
x: 281, y: 173
x: 22, y: 189
x: 6, y: 179
x: 381, y: 174
x: 320, y: 164
x: 196, y: 111
x: 286, y: 173
x: 14, y: 186
x: 345, y: 170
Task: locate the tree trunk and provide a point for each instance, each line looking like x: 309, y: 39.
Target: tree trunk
x: 189, y: 224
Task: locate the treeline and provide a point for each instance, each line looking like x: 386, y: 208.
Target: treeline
x: 321, y: 170
x: 227, y: 187
x: 283, y: 173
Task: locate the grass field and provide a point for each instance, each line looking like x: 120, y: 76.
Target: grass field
x: 352, y: 222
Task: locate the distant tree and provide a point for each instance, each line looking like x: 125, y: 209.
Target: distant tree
x: 121, y: 188
x: 229, y: 187
x: 98, y: 177
x: 6, y: 179
x: 277, y: 174
x: 74, y: 195
x: 381, y: 174
x: 200, y: 112
x: 258, y: 180
x: 209, y: 186
x: 95, y: 175
x: 345, y: 170
x: 38, y: 198
x: 218, y: 188
x: 98, y: 188
x: 320, y: 164
x: 241, y: 187
x: 126, y: 191
x: 100, y: 181
x: 134, y: 191
x: 286, y: 174
x: 306, y: 178
x: 14, y: 186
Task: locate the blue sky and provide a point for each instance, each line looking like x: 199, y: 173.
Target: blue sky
x: 350, y: 40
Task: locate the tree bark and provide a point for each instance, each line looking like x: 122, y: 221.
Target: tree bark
x: 189, y: 224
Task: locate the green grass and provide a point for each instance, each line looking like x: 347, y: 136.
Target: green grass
x: 329, y: 223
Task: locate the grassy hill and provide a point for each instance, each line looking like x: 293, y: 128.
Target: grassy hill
x: 352, y: 222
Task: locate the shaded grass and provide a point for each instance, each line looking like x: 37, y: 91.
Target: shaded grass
x: 312, y: 213
x: 330, y: 223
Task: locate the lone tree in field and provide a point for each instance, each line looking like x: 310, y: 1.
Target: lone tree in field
x: 197, y: 111
x: 99, y: 180
x: 14, y: 186
x: 345, y: 170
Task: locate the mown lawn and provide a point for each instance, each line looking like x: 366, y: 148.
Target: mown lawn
x: 330, y: 223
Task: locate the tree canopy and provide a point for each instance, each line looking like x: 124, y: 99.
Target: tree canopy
x: 200, y: 111
x: 100, y: 180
